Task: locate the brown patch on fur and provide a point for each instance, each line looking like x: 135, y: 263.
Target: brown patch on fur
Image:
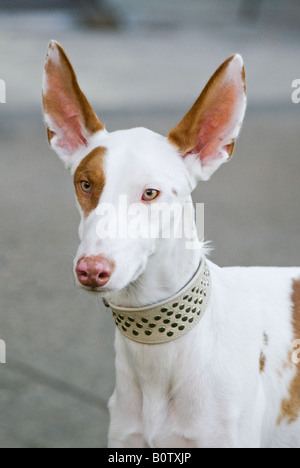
x: 64, y: 101
x: 90, y: 170
x: 198, y: 129
x: 266, y: 339
x: 230, y: 149
x: 290, y: 407
x: 244, y: 79
x: 262, y: 362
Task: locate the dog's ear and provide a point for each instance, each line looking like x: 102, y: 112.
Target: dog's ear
x: 69, y: 117
x: 206, y: 135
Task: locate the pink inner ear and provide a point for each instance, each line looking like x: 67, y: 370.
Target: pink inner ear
x: 64, y: 112
x: 217, y: 125
x: 69, y: 116
x: 70, y: 140
x: 70, y: 136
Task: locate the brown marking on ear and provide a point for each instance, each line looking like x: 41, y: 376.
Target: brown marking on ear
x: 290, y: 407
x: 244, y: 79
x: 262, y: 362
x: 50, y: 135
x: 64, y: 101
x: 185, y: 134
x: 230, y: 149
x: 90, y: 170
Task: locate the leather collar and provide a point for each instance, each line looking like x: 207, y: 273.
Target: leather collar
x: 166, y: 320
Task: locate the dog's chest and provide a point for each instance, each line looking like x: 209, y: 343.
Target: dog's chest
x: 170, y: 397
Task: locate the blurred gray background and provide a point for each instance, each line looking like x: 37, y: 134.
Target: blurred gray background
x: 141, y: 63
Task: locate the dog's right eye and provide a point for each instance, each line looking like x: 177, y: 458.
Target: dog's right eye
x: 85, y: 186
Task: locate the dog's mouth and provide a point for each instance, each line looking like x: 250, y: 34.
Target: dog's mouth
x: 112, y: 286
x: 96, y: 290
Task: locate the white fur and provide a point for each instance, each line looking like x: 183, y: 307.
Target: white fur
x: 205, y: 389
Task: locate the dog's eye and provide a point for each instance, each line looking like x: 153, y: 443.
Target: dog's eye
x: 85, y: 186
x: 150, y: 194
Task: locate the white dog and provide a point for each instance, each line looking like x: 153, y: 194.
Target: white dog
x: 204, y: 355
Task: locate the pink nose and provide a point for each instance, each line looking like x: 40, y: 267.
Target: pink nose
x: 94, y: 272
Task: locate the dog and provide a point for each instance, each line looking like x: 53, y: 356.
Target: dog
x: 205, y: 356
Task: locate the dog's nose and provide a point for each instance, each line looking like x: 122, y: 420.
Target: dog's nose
x: 94, y: 272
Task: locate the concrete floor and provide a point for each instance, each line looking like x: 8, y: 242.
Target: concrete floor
x: 60, y: 358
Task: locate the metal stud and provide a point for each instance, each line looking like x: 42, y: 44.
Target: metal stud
x: 124, y: 328
x: 157, y: 318
x: 178, y: 316
x: 152, y: 325
x: 170, y: 313
x: 188, y: 310
x: 191, y: 319
x: 163, y: 310
x: 148, y: 332
x: 135, y: 332
x: 167, y: 321
x: 162, y: 329
x: 170, y: 333
x: 139, y: 325
x: 131, y: 319
x: 182, y: 327
x: 121, y: 316
x: 185, y: 297
x: 127, y: 324
x: 182, y: 307
x: 144, y: 320
x: 174, y: 325
x: 184, y: 319
x: 190, y: 298
x: 175, y: 304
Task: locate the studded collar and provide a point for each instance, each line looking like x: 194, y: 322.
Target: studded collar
x: 166, y: 320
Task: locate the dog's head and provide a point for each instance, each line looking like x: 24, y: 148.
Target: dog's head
x: 123, y: 178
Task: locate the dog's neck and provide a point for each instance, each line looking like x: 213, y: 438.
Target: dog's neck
x: 168, y: 270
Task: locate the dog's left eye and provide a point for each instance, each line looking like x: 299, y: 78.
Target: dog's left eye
x: 150, y: 194
x: 85, y: 186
